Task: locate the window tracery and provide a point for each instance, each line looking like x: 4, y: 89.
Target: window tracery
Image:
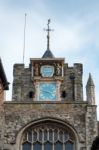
x: 48, y: 136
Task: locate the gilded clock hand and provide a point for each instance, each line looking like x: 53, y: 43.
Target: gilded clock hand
x: 46, y: 91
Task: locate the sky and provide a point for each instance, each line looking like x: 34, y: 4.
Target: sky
x: 75, y: 36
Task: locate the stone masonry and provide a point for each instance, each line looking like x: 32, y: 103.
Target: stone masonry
x: 70, y: 109
x: 79, y: 115
x: 23, y: 83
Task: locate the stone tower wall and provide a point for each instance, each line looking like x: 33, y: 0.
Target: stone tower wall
x: 91, y: 125
x: 23, y: 83
x: 77, y: 90
x: 79, y: 116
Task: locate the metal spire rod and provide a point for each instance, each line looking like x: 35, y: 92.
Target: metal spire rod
x: 24, y: 38
x: 48, y: 34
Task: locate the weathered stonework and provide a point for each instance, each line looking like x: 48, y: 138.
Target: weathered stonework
x: 69, y: 110
x: 78, y: 115
x: 23, y: 83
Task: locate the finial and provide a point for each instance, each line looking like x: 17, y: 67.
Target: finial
x: 48, y: 34
x: 90, y: 81
x: 90, y: 90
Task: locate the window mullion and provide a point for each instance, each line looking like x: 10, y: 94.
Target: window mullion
x: 63, y: 141
x: 53, y: 139
x: 42, y: 139
x: 63, y: 146
x: 42, y: 146
x: 47, y: 134
x: 52, y: 146
x: 32, y: 140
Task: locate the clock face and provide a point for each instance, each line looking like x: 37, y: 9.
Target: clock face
x: 47, y: 71
x: 47, y: 91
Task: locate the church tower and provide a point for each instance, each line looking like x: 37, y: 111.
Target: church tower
x: 51, y: 79
x: 47, y: 111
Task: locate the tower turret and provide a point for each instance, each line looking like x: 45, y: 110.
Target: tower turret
x: 90, y: 90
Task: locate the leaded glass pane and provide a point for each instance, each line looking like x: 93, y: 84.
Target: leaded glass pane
x: 51, y: 135
x: 69, y: 146
x: 47, y: 146
x: 34, y: 136
x: 30, y: 136
x: 66, y: 136
x: 55, y: 135
x: 45, y: 135
x: 37, y: 146
x: 40, y: 136
x: 26, y: 146
x: 58, y: 146
x: 61, y: 136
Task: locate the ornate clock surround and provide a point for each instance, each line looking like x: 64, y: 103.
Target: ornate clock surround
x: 47, y: 71
x: 50, y: 78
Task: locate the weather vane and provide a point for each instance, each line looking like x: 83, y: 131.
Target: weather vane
x: 48, y: 34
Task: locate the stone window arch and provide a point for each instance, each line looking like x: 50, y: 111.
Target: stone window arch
x: 48, y: 136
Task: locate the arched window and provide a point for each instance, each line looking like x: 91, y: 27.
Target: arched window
x: 48, y: 136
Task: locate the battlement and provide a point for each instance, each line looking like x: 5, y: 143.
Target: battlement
x: 70, y: 79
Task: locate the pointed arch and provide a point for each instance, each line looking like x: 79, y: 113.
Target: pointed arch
x: 48, y: 126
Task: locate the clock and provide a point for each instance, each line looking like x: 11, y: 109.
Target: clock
x: 47, y: 71
x: 47, y: 91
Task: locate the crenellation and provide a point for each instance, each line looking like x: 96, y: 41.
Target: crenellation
x: 22, y: 83
x: 18, y: 69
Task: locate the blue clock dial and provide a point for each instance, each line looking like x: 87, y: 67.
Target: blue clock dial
x: 47, y: 91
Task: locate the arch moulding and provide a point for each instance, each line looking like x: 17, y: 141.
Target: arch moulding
x: 17, y: 145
